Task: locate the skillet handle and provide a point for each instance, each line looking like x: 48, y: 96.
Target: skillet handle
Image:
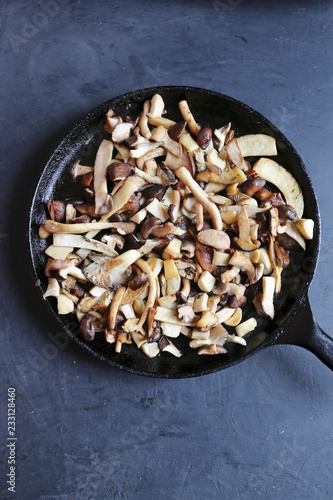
x: 305, y: 332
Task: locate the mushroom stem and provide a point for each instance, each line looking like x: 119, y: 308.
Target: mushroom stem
x: 145, y: 267
x: 184, y: 175
x: 53, y: 227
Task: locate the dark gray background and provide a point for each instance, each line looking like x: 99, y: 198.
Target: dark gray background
x: 262, y: 429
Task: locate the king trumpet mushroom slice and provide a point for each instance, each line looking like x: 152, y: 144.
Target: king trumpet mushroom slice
x: 257, y: 145
x: 274, y: 173
x: 263, y: 301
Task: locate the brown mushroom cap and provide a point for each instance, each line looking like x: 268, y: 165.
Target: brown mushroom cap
x: 214, y: 238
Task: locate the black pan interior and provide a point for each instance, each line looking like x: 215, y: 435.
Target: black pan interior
x: 210, y: 109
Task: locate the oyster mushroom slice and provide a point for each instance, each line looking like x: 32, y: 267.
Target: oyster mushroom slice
x: 130, y: 186
x: 112, y: 273
x: 257, y: 145
x: 274, y: 173
x: 103, y: 201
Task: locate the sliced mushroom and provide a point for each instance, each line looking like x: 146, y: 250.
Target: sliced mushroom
x: 272, y: 172
x: 118, y: 171
x: 213, y: 238
x: 263, y: 301
x: 243, y: 240
x: 240, y: 260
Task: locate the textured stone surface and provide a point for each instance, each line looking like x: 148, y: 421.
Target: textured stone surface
x: 262, y: 429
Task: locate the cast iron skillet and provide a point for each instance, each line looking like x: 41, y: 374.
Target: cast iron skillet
x: 293, y: 324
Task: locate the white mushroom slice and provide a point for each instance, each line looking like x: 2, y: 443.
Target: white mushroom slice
x: 206, y: 281
x: 123, y: 152
x: 293, y: 231
x: 151, y: 349
x: 144, y: 148
x: 156, y: 106
x: 173, y: 285
x: 57, y: 227
x: 139, y: 338
x: 263, y: 302
x: 257, y: 145
x: 154, y: 153
x: 139, y: 216
x: 200, y: 335
x: 143, y: 121
x: 240, y: 260
x: 170, y: 316
x: 157, y: 209
x: 161, y: 120
x: 58, y: 252
x: 274, y: 173
x: 236, y: 318
x: 65, y: 304
x: 170, y: 269
x: 213, y: 157
x: 229, y: 274
x: 168, y: 301
x: 305, y: 227
x: 78, y: 241
x: 169, y: 144
x: 227, y: 176
x: 170, y: 330
x: 174, y: 248
x: 220, y: 258
x: 77, y: 169
x: 261, y: 256
x: 121, y: 132
x: 130, y: 186
x: 103, y: 159
x: 243, y: 239
x: 221, y: 134
x: 53, y: 288
x: 224, y: 314
x: 247, y: 326
x: 200, y: 302
x: 166, y: 345
x: 87, y: 303
x: 188, y: 117
x: 184, y: 175
x: 207, y: 320
x: 188, y: 142
x: 156, y: 265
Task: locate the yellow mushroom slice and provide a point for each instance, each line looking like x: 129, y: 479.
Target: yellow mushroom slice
x: 257, y: 145
x: 274, y: 173
x: 145, y: 267
x: 53, y: 227
x: 305, y: 227
x: 243, y: 239
x: 247, y: 326
x: 188, y: 117
x: 263, y: 301
x: 227, y: 176
x: 114, y: 307
x: 130, y: 186
x: 236, y: 318
x: 103, y: 201
x: 170, y: 316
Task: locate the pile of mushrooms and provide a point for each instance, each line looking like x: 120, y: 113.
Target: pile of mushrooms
x: 176, y: 225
